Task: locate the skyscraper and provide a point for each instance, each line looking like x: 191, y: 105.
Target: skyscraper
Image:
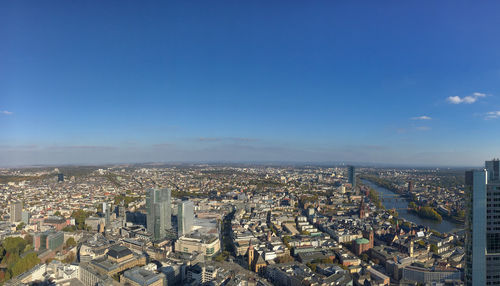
x: 106, y: 210
x: 482, y: 241
x: 352, y: 176
x: 158, y: 208
x: 185, y: 217
x: 121, y: 209
x: 16, y: 209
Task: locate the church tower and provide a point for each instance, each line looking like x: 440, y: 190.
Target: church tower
x: 251, y: 255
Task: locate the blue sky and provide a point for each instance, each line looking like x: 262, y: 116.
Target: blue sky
x: 414, y: 83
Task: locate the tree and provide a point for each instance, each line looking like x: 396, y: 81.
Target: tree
x: 434, y: 248
x: 70, y: 242
x: 69, y: 258
x: 69, y: 228
x: 219, y: 258
x: 412, y: 205
x: 312, y: 266
x: 57, y: 213
x: 14, y: 244
x: 20, y: 226
x: 364, y: 257
x: 24, y: 264
x: 284, y: 259
x: 29, y: 239
x: 80, y: 216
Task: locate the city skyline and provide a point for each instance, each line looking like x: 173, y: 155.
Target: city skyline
x: 95, y: 83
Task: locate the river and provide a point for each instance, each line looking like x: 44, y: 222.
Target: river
x: 401, y: 205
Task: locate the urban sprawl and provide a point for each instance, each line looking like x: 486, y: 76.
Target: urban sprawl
x: 230, y: 225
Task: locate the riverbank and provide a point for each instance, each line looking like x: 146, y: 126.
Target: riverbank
x: 434, y: 214
x: 401, y: 206
x: 426, y: 213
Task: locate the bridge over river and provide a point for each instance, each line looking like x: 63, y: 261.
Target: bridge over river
x: 395, y: 201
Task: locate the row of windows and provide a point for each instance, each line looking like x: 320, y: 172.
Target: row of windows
x: 493, y: 241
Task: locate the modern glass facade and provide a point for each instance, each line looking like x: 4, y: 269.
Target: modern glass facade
x: 158, y: 206
x: 55, y: 240
x: 482, y: 261
x: 185, y: 217
x: 352, y: 176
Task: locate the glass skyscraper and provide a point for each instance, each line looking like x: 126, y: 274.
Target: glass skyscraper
x: 482, y: 242
x: 185, y: 217
x: 158, y: 212
x: 352, y: 176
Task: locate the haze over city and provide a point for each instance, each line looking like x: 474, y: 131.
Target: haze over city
x: 249, y: 143
x: 255, y: 81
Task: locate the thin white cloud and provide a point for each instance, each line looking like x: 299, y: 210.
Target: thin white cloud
x: 6, y: 112
x: 423, y: 128
x: 492, y: 115
x: 466, y: 99
x: 423, y: 117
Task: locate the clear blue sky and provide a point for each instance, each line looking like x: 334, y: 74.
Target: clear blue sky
x: 404, y: 82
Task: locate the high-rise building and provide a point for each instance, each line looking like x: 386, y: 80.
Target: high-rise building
x: 25, y: 217
x: 122, y: 213
x: 410, y: 187
x: 121, y: 209
x: 352, y: 176
x: 16, y: 210
x: 158, y: 206
x: 106, y: 210
x: 185, y: 217
x: 482, y: 241
x: 60, y: 177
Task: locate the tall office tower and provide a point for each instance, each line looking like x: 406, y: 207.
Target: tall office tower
x: 482, y: 231
x: 60, y: 177
x: 25, y: 217
x: 121, y: 209
x: 185, y: 217
x: 352, y: 176
x: 158, y: 212
x: 410, y: 187
x: 16, y: 210
x: 106, y: 210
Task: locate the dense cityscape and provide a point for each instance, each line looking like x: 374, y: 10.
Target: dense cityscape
x: 249, y: 143
x: 195, y: 224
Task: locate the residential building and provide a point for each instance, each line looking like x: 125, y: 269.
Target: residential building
x: 16, y: 209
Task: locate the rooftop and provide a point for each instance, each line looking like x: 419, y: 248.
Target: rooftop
x: 118, y: 251
x: 362, y: 241
x: 141, y: 276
